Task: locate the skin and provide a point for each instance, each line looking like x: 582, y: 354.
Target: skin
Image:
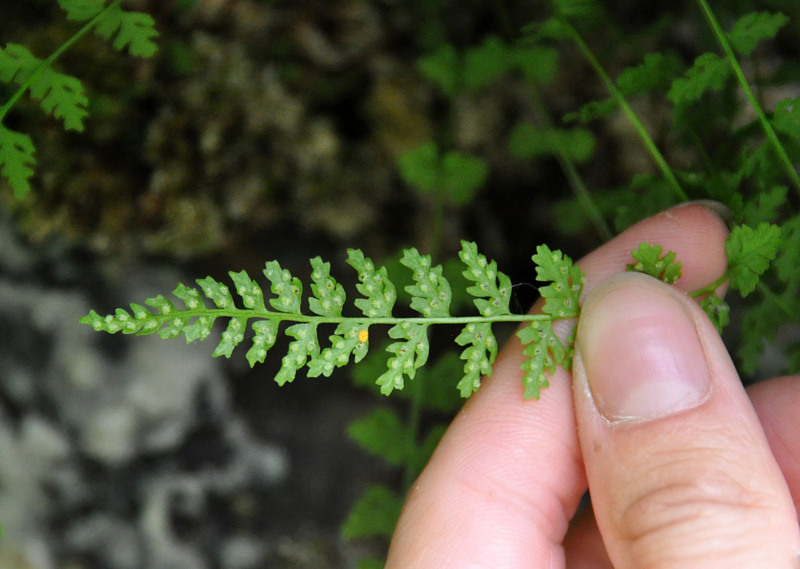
x: 712, y: 481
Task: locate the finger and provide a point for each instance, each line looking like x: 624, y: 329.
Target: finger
x: 508, y: 475
x: 777, y: 404
x: 680, y: 472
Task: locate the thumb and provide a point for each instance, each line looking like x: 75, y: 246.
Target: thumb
x: 679, y: 470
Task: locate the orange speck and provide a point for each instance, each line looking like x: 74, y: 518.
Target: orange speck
x: 363, y: 336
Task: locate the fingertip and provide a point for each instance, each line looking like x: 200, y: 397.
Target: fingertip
x: 679, y: 479
x: 693, y: 231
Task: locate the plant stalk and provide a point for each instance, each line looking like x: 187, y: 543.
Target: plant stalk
x: 655, y: 153
x: 772, y: 137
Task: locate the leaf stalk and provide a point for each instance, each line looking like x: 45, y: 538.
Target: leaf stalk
x: 655, y: 153
x: 772, y: 137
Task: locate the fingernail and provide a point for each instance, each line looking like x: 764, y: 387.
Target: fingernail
x: 640, y: 350
x: 723, y: 211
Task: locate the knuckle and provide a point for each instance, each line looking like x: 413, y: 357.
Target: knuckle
x: 716, y: 507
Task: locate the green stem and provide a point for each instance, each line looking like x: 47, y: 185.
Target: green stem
x: 47, y: 63
x: 369, y: 321
x: 772, y: 137
x: 777, y: 300
x: 574, y: 179
x: 659, y: 159
x: 710, y: 288
x: 584, y: 198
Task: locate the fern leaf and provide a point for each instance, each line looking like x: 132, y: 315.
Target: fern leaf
x: 266, y: 332
x: 62, y: 96
x: 544, y: 351
x: 539, y: 65
x: 134, y: 30
x: 350, y: 338
x: 379, y: 292
x: 248, y: 289
x: 717, y: 310
x: 709, y: 72
x: 410, y: 354
x: 201, y: 327
x: 59, y: 94
x: 375, y: 514
x: 430, y: 293
x: 754, y: 27
x: 788, y: 260
x: 479, y: 355
x: 593, y: 110
x: 81, y: 10
x: 656, y: 72
x: 461, y: 176
x: 304, y: 347
x: 765, y: 206
x: 231, y: 337
x: 329, y: 295
x: 442, y: 68
x: 563, y: 294
x: 383, y: 434
x: 199, y: 330
x: 455, y: 175
x: 786, y: 117
x: 289, y: 289
x: 749, y: 253
x: 484, y: 63
x: 419, y: 167
x: 492, y: 288
x: 528, y: 141
x: 650, y: 262
x: 16, y: 160
x: 16, y: 63
x: 216, y: 292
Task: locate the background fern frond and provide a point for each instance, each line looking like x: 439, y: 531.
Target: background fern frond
x: 16, y: 160
x: 59, y: 94
x: 132, y: 30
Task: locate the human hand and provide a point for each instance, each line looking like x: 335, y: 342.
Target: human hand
x: 685, y: 469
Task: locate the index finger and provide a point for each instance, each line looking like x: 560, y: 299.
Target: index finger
x: 508, y: 475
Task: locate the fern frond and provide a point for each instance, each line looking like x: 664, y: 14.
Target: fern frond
x: 492, y: 289
x: 430, y: 298
x: 81, y: 10
x: 132, y: 30
x: 379, y: 292
x: 650, y: 262
x: 59, y: 94
x: 563, y: 294
x: 430, y: 293
x: 411, y: 353
x: 479, y: 355
x: 544, y: 351
x: 562, y: 284
x: 16, y: 160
